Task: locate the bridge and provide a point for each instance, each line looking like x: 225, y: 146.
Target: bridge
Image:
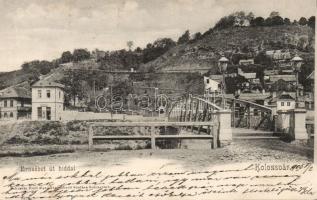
x: 198, y: 117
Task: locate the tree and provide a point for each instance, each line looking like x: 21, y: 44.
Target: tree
x: 197, y: 36
x: 72, y: 81
x: 184, y: 38
x: 80, y: 54
x: 225, y: 22
x: 130, y: 45
x: 287, y: 21
x: 138, y: 49
x: 302, y: 21
x: 311, y: 22
x: 37, y: 67
x: 158, y: 48
x: 258, y: 21
x: 250, y: 16
x: 277, y: 20
x: 262, y: 59
x: 274, y: 14
x: 66, y: 57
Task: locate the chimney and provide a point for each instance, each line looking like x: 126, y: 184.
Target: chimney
x: 263, y: 91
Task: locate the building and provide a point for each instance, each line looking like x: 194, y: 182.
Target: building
x: 286, y: 77
x: 246, y: 62
x: 47, y: 100
x: 15, y: 103
x: 285, y: 102
x: 281, y: 101
x: 248, y: 76
x: 278, y: 54
x: 268, y: 73
x: 211, y: 85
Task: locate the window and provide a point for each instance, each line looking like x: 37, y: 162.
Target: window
x: 288, y: 103
x: 207, y: 81
x: 11, y: 103
x: 11, y: 114
x: 282, y: 103
x: 39, y: 94
x: 5, y: 103
x: 48, y: 93
x: 59, y: 94
x: 39, y: 112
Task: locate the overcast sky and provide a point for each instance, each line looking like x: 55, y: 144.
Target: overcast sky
x: 43, y: 29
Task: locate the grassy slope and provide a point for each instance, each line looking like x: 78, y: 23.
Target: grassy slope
x: 227, y: 39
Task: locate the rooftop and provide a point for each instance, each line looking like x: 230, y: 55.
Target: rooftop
x: 297, y: 58
x: 288, y: 77
x: 254, y: 96
x: 46, y: 83
x: 285, y: 97
x: 223, y: 59
x: 15, y: 92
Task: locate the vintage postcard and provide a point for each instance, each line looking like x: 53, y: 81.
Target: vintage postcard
x: 157, y: 99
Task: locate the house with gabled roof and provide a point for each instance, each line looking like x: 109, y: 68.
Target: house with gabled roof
x: 15, y: 103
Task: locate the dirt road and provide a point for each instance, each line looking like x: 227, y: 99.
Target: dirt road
x: 242, y: 151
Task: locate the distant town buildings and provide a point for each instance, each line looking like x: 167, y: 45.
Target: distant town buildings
x: 248, y: 76
x: 278, y: 54
x: 47, y: 100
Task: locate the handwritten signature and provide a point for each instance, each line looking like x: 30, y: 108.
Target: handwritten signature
x: 90, y: 184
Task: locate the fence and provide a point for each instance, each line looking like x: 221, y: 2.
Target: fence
x: 211, y: 132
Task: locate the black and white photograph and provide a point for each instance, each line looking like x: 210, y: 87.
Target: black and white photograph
x: 157, y: 99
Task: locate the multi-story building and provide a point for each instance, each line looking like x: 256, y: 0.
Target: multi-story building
x: 47, y: 100
x: 15, y: 103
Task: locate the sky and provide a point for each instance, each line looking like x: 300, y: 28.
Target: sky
x: 43, y: 29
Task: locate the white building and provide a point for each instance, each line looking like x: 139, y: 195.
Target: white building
x: 47, y: 100
x: 246, y: 62
x: 211, y: 85
x: 285, y: 102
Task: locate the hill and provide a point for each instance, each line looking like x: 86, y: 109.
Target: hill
x: 205, y: 52
x: 83, y: 70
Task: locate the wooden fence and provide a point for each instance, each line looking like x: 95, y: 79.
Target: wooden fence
x: 210, y: 127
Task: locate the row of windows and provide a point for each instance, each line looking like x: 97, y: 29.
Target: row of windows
x: 10, y: 102
x: 6, y: 115
x: 48, y: 94
x: 288, y: 103
x: 6, y: 103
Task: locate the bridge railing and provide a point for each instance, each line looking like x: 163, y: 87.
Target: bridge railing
x: 192, y: 109
x: 211, y: 133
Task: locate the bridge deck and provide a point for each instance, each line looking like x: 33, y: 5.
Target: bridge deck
x: 151, y: 124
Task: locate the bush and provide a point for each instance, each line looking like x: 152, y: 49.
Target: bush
x: 76, y: 125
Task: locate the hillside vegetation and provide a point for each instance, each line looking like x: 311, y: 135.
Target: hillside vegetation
x: 205, y: 52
